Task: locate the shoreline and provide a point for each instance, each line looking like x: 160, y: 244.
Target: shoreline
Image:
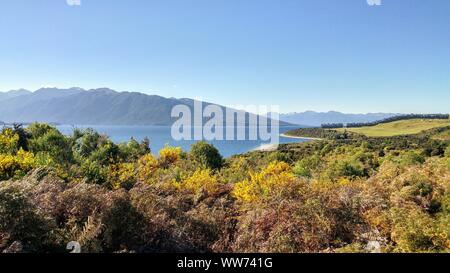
x: 299, y: 137
x: 274, y: 147
x: 266, y: 147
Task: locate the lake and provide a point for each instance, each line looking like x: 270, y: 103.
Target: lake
x: 161, y: 135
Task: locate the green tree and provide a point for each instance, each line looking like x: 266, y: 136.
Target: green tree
x: 54, y: 144
x: 133, y: 150
x: 207, y: 155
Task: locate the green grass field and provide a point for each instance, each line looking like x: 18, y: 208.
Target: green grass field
x: 402, y: 127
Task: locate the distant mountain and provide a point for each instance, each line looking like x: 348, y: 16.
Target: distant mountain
x: 13, y: 94
x: 311, y: 118
x: 89, y: 107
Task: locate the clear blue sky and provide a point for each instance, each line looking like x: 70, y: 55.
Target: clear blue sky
x: 301, y: 54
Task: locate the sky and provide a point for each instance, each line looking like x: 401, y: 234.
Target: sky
x: 343, y: 55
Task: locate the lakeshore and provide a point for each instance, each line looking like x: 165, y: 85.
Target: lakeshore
x: 300, y: 137
x: 274, y: 147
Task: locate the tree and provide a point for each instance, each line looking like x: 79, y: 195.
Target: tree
x: 207, y: 155
x: 133, y: 150
x: 86, y: 142
x: 23, y: 136
x: 54, y: 144
x: 37, y: 130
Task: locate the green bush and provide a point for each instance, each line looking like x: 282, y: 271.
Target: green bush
x: 206, y: 154
x: 447, y: 151
x: 347, y: 169
x: 306, y: 166
x: 412, y: 158
x: 93, y: 172
x: 133, y: 150
x: 52, y: 142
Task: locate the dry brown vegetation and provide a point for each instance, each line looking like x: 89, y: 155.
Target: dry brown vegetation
x: 353, y: 195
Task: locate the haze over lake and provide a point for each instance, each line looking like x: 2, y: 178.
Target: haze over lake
x: 161, y: 135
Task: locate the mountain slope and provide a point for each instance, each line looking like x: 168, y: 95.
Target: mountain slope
x: 311, y: 118
x: 13, y: 93
x: 93, y: 107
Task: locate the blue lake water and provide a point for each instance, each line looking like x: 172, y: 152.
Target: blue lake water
x: 161, y: 135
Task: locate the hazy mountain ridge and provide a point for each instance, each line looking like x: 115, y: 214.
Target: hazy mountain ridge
x: 13, y: 94
x: 101, y: 106
x: 311, y: 118
x: 104, y: 106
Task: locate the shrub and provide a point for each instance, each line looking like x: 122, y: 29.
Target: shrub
x: 286, y: 227
x: 55, y: 144
x: 169, y: 155
x: 147, y: 166
x: 305, y: 166
x: 414, y: 231
x: 133, y: 150
x: 86, y: 142
x: 447, y: 151
x: 411, y: 158
x: 93, y: 172
x: 15, y: 166
x: 106, y: 153
x: 207, y: 155
x: 200, y: 180
x: 122, y: 175
x: 20, y: 222
x: 274, y: 179
x: 124, y: 226
x: 8, y: 141
x: 344, y: 169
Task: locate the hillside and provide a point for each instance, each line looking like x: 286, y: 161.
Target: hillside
x: 88, y: 107
x: 402, y: 127
x: 314, y: 119
x: 384, y: 194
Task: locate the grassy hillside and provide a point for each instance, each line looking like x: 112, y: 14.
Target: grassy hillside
x: 402, y: 127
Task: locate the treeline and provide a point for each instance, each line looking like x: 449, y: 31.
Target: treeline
x: 332, y: 125
x: 319, y: 133
x: 387, y: 120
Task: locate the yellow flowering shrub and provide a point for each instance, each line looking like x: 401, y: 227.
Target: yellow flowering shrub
x: 169, y: 155
x: 16, y: 165
x: 201, y: 179
x: 270, y: 181
x: 7, y: 164
x: 147, y: 166
x: 8, y: 141
x: 122, y: 175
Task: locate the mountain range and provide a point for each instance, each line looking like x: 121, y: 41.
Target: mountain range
x: 315, y: 119
x: 105, y: 106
